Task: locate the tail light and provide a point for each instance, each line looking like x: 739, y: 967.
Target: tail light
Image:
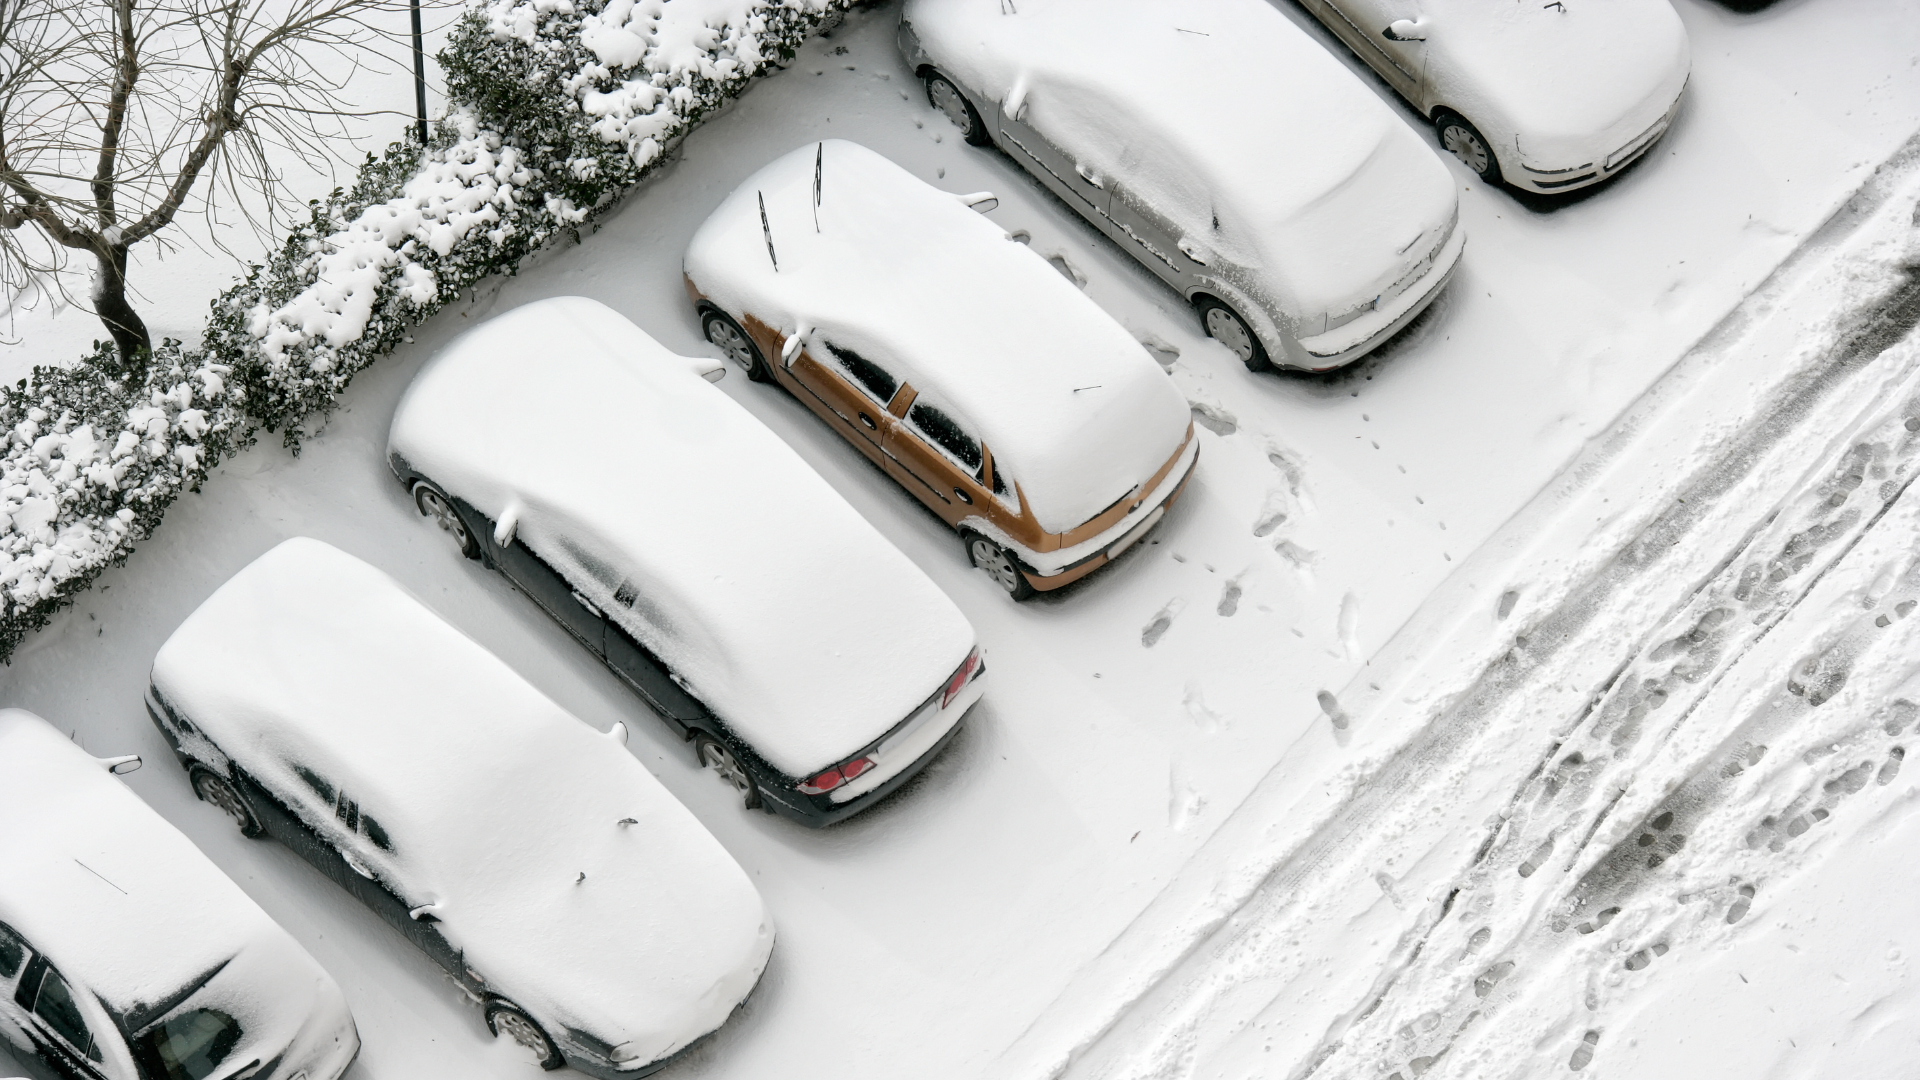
x: 962, y: 675
x: 836, y: 776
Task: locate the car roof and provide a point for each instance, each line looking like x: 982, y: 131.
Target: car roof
x: 1309, y: 185
x: 1074, y: 409
x: 113, y: 895
x: 494, y: 798
x: 784, y: 610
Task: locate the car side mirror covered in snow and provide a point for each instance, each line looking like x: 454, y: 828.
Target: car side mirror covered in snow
x: 1405, y: 30
x: 122, y: 765
x: 982, y: 201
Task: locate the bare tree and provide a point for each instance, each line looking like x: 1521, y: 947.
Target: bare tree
x: 112, y: 111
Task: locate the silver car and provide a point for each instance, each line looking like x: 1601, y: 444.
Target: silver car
x: 1218, y: 144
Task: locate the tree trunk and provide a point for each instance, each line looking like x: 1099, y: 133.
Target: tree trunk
x: 129, y: 333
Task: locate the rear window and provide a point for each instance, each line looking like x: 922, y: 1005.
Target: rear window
x: 190, y: 1046
x: 946, y: 433
x: 871, y: 377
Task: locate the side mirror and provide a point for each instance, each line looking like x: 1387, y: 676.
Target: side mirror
x: 122, y: 765
x: 1405, y: 30
x: 710, y: 370
x: 503, y: 529
x: 982, y: 201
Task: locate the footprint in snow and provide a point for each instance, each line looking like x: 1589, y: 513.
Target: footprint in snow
x: 1229, y: 597
x: 1214, y: 418
x: 1583, y: 1054
x: 1161, y: 622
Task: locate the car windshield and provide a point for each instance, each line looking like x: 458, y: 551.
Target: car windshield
x: 189, y: 1046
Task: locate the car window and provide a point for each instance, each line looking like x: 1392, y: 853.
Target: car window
x: 869, y: 376
x: 190, y: 1046
x: 56, y: 1005
x: 313, y: 780
x: 376, y: 832
x: 13, y: 952
x: 946, y: 433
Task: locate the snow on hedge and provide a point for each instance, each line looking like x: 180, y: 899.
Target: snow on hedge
x: 558, y: 106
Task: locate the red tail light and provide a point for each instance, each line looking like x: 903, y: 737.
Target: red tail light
x: 834, y: 777
x: 961, y: 677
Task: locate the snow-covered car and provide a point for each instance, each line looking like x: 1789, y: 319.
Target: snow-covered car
x: 316, y: 701
x: 805, y: 658
x: 125, y: 954
x: 956, y: 359
x: 1549, y: 97
x: 1219, y: 145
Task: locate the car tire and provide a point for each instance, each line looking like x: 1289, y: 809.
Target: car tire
x: 1224, y: 325
x: 716, y: 755
x: 947, y: 99
x: 506, y: 1018
x: 438, y: 505
x: 730, y: 338
x: 1464, y: 141
x: 987, y: 556
x: 219, y: 792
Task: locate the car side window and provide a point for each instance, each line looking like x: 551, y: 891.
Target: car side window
x: 946, y: 433
x: 879, y: 384
x: 345, y: 809
x: 56, y: 1005
x: 13, y: 952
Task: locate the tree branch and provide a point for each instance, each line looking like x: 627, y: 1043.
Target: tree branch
x: 125, y: 72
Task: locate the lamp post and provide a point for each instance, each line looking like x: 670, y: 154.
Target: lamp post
x: 419, y: 74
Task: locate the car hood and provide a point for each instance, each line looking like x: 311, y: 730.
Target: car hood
x: 1572, y: 81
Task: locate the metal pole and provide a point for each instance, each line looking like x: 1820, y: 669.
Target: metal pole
x: 419, y: 74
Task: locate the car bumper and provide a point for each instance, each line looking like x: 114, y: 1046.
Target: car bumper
x: 819, y: 811
x: 1108, y: 548
x: 1545, y: 181
x: 1338, y: 348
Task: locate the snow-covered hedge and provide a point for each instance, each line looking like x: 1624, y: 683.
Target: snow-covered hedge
x: 556, y: 107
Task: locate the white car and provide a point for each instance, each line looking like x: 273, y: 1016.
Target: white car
x: 1549, y: 97
x: 807, y: 661
x: 595, y: 921
x: 125, y: 954
x: 957, y: 360
x: 1218, y: 144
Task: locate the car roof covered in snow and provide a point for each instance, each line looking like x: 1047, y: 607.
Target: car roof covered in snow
x: 1074, y: 409
x: 494, y: 800
x: 113, y: 895
x: 1255, y: 140
x: 779, y: 606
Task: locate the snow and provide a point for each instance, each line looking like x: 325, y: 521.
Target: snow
x: 1557, y: 86
x: 1070, y: 404
x: 130, y: 912
x: 780, y: 607
x: 1315, y: 193
x: 494, y: 796
x: 1533, y: 413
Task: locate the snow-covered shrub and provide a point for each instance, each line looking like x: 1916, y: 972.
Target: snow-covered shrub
x: 557, y: 106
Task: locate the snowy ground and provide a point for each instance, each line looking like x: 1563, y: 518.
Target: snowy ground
x: 1157, y: 750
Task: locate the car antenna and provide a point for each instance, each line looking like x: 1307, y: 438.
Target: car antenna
x: 1095, y: 386
x: 819, y: 156
x: 767, y: 230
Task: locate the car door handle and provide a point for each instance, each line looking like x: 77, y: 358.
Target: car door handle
x: 963, y: 496
x: 585, y: 603
x: 868, y: 420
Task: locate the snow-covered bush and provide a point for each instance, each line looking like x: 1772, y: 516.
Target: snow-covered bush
x: 556, y: 107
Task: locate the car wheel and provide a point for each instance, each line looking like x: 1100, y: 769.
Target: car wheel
x: 218, y: 791
x: 1224, y: 325
x: 986, y: 555
x: 943, y: 95
x: 434, y: 503
x: 715, y: 755
x: 508, y: 1019
x: 1465, y: 142
x: 729, y: 338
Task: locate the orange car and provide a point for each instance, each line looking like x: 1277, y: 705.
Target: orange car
x: 955, y: 358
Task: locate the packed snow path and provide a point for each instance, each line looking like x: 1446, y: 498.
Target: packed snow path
x: 1128, y: 720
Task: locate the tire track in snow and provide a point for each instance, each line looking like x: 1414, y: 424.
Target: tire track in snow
x: 1233, y: 984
